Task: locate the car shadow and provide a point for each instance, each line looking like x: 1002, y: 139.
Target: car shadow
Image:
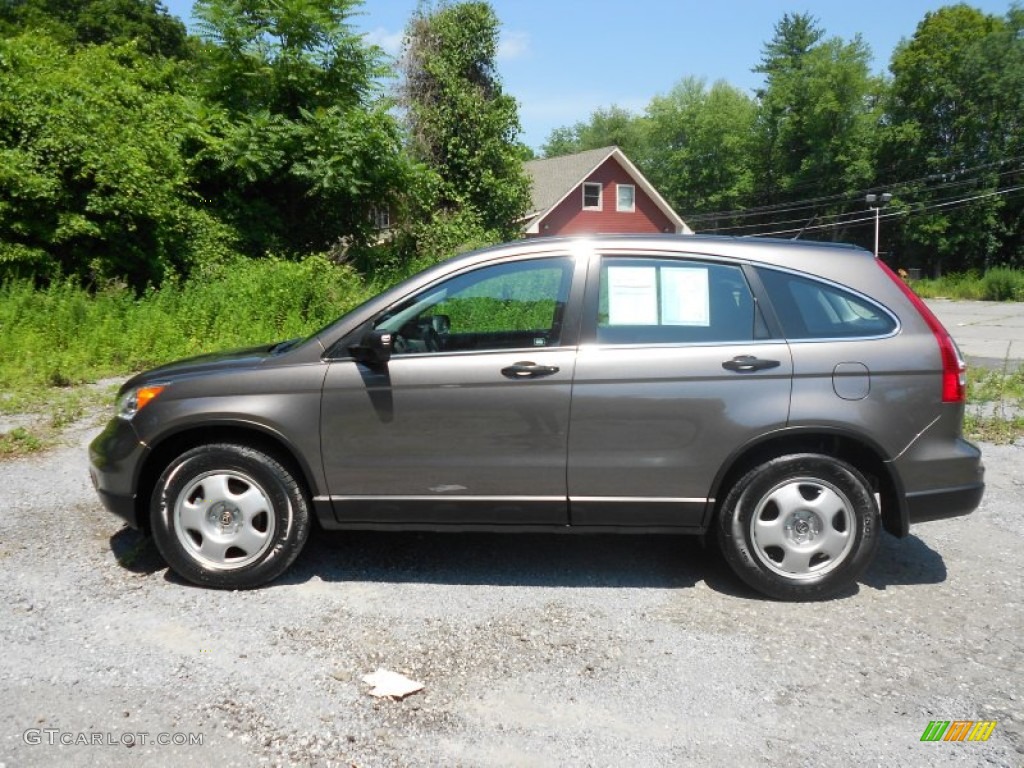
x: 904, y: 562
x: 136, y: 552
x: 537, y: 559
x: 503, y: 559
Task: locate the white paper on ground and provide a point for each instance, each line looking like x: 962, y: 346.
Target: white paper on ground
x: 391, y: 684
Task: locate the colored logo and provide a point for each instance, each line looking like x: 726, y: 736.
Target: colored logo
x: 958, y: 730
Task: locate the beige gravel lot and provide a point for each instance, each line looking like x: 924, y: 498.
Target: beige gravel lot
x: 534, y: 650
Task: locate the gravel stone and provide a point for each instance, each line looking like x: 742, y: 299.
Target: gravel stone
x: 535, y: 650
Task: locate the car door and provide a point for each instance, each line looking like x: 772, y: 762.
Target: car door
x: 467, y: 423
x: 676, y: 371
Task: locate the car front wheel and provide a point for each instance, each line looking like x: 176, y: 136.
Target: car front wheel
x: 229, y: 516
x: 799, y: 527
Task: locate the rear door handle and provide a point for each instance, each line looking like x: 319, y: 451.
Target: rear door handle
x: 528, y: 370
x: 749, y: 363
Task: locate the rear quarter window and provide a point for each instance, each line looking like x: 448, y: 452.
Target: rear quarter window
x: 811, y: 309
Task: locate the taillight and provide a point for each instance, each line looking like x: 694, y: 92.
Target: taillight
x: 954, y: 371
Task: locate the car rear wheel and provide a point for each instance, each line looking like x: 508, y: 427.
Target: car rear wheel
x: 229, y: 516
x: 799, y: 527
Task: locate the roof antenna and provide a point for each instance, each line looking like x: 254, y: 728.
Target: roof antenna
x: 805, y: 226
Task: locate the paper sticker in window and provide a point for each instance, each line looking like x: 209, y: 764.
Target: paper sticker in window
x: 632, y: 296
x: 685, y: 296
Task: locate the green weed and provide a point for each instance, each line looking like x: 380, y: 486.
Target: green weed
x: 997, y: 284
x: 63, y: 335
x: 995, y: 401
x: 19, y: 442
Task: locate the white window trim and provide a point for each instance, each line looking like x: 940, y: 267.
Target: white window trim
x: 381, y: 218
x: 618, y: 200
x: 600, y: 196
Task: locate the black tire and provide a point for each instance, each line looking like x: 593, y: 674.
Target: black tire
x: 229, y: 516
x: 799, y: 527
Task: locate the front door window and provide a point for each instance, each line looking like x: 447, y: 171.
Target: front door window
x: 508, y: 306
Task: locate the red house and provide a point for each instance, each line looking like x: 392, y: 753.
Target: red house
x: 595, y: 192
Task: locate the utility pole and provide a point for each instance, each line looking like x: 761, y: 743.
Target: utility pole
x: 876, y: 203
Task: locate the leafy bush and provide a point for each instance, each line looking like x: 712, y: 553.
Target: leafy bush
x: 97, y: 150
x: 998, y: 284
x: 429, y: 239
x: 1003, y: 284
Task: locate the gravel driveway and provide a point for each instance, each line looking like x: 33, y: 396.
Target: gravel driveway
x: 534, y: 650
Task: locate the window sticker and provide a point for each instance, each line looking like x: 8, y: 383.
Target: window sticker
x: 632, y: 296
x: 685, y: 297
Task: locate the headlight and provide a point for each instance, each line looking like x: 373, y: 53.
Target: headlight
x: 134, y: 400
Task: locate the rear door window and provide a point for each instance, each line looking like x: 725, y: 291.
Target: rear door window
x: 673, y: 301
x: 811, y: 309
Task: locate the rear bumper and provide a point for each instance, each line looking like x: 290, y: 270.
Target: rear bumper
x: 940, y: 475
x: 940, y: 504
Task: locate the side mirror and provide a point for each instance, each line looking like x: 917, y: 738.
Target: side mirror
x: 374, y: 348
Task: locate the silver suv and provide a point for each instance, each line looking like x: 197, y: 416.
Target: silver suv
x: 788, y: 399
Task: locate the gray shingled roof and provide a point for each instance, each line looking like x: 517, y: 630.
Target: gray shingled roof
x: 554, y: 177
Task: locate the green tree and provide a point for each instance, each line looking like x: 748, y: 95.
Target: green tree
x: 310, y: 149
x: 778, y: 129
x: 612, y: 126
x: 954, y: 138
x: 96, y: 152
x: 817, y: 114
x: 699, y: 148
x: 461, y: 124
x: 146, y: 23
x: 284, y: 56
x: 1000, y: 67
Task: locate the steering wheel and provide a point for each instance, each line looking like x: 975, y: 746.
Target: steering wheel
x: 399, y: 344
x: 431, y: 340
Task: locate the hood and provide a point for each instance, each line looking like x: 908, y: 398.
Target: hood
x: 235, y: 359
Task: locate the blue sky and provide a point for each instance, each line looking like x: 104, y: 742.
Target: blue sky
x: 562, y: 60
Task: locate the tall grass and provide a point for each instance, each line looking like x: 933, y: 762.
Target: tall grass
x: 998, y: 284
x: 64, y: 335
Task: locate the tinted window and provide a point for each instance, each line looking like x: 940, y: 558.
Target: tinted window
x: 507, y: 306
x: 809, y: 309
x: 672, y: 301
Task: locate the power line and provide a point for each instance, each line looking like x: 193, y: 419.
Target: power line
x: 736, y: 228
x: 741, y: 213
x: 894, y: 214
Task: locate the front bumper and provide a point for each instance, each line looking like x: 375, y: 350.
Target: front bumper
x: 115, y: 458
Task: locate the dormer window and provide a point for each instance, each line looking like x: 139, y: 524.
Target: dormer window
x: 626, y: 198
x: 591, y: 196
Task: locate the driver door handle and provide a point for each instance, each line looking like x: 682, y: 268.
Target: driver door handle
x: 528, y: 370
x: 749, y: 363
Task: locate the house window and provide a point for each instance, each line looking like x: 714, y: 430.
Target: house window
x: 591, y: 196
x: 626, y: 202
x: 381, y: 218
